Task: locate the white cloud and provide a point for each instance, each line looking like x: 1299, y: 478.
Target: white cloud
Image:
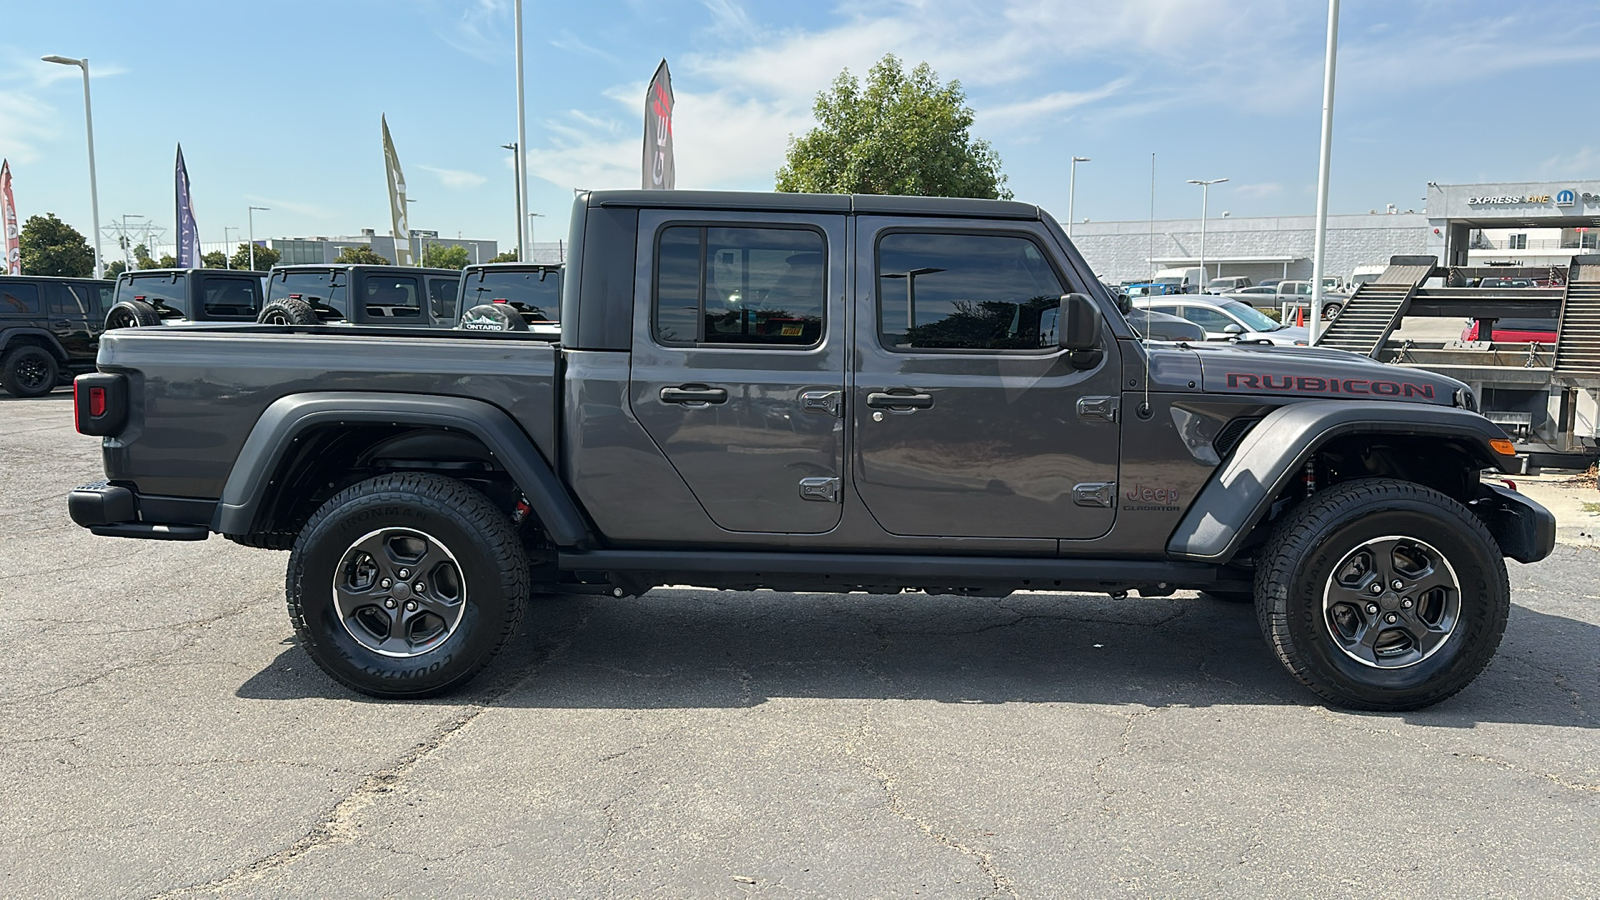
x: 1049, y: 104
x: 1582, y: 163
x: 1258, y: 190
x: 310, y: 210
x: 455, y: 179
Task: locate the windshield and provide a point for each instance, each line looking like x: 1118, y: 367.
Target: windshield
x: 537, y: 295
x: 1253, y: 318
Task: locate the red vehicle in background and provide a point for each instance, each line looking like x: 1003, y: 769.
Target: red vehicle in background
x: 1522, y: 331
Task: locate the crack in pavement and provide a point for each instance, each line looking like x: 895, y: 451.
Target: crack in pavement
x: 1001, y: 882
x: 339, y: 826
x: 1124, y: 744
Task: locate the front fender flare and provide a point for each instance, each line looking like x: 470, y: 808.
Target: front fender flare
x: 288, y: 417
x: 1240, y: 492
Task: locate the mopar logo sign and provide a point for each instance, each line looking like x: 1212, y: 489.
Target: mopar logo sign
x: 1566, y: 198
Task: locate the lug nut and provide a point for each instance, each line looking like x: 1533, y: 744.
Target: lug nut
x: 419, y: 587
x: 1377, y: 587
x: 411, y: 606
x: 385, y: 584
x: 1397, y: 584
x: 1372, y: 609
x: 1391, y: 618
x: 1406, y: 603
x: 389, y: 603
x: 405, y: 573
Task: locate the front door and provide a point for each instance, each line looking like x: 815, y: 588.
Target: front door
x: 72, y: 320
x: 969, y: 420
x: 738, y: 363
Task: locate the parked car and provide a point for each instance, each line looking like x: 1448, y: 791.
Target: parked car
x: 1228, y: 320
x: 1497, y: 281
x: 1151, y: 289
x: 1261, y: 296
x: 1228, y: 284
x: 1184, y: 280
x: 1363, y: 274
x: 722, y: 411
x: 1515, y: 331
x: 1160, y: 326
x: 147, y: 297
x: 343, y: 294
x: 49, y: 328
x: 1297, y: 295
x: 511, y: 297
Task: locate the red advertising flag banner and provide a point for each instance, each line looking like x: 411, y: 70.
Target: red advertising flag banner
x: 8, y: 215
x: 660, y: 172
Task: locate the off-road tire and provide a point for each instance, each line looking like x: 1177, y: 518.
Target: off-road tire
x: 132, y: 314
x: 483, y: 544
x: 288, y: 311
x: 492, y: 317
x: 29, y: 371
x: 1300, y: 558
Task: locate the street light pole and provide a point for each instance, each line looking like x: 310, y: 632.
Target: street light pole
x: 516, y: 175
x: 1322, y: 170
x: 252, y: 214
x: 1072, y: 191
x: 532, y: 232
x: 522, y: 139
x: 225, y: 229
x: 94, y: 188
x: 1205, y: 194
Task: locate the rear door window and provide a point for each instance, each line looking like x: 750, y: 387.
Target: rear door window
x: 323, y: 290
x: 740, y: 286
x: 231, y: 299
x: 19, y: 298
x: 393, y: 297
x: 442, y: 298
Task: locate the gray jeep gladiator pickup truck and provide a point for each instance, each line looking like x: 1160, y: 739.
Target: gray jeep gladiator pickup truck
x: 817, y: 393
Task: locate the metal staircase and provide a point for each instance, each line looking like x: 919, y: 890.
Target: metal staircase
x: 1578, y: 336
x: 1376, y: 308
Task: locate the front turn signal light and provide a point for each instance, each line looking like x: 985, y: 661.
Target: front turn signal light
x: 1503, y: 447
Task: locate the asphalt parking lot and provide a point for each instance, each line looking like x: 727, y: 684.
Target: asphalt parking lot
x: 168, y: 739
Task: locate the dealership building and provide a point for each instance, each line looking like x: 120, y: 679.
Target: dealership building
x: 1517, y: 223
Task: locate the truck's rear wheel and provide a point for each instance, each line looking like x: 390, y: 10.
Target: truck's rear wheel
x: 288, y: 311
x: 406, y: 585
x: 1383, y: 595
x: 29, y: 371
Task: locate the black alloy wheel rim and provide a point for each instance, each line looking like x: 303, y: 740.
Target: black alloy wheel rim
x: 399, y: 592
x: 32, y: 373
x: 1392, y: 602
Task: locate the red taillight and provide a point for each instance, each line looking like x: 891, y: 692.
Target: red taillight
x: 498, y: 300
x: 97, y: 401
x: 294, y: 296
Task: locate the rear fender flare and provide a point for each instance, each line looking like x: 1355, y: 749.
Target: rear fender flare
x: 8, y: 337
x: 1243, y: 488
x: 288, y: 417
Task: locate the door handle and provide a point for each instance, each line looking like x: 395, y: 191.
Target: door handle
x: 59, y: 325
x: 693, y: 393
x: 885, y: 400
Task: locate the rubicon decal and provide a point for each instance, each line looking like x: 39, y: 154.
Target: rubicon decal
x: 1304, y: 384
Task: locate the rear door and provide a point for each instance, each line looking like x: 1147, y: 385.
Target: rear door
x: 71, y: 319
x: 442, y: 299
x: 229, y: 298
x: 738, y: 362
x: 969, y: 421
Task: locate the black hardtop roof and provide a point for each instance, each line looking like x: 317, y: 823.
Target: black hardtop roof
x: 350, y: 267
x: 131, y: 273
x: 4, y: 277
x: 513, y: 267
x: 860, y: 204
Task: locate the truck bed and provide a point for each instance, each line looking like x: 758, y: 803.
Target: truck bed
x: 199, y: 390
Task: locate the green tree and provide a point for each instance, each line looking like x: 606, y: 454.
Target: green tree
x: 216, y: 259
x: 902, y: 134
x: 508, y: 256
x: 266, y: 257
x: 167, y: 261
x: 142, y: 258
x: 454, y: 256
x: 364, y: 256
x: 116, y: 268
x: 52, y: 247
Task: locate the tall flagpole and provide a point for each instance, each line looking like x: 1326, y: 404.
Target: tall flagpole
x: 524, y: 250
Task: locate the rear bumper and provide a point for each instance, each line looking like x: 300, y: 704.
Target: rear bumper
x: 1525, y: 531
x: 113, y: 510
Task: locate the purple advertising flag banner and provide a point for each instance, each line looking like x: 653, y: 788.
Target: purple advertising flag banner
x: 8, y: 216
x: 188, y: 231
x: 660, y: 172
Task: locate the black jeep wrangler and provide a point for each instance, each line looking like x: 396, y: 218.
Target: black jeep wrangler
x: 48, y: 327
x: 344, y: 294
x: 181, y: 296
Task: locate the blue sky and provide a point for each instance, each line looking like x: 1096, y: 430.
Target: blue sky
x: 277, y: 104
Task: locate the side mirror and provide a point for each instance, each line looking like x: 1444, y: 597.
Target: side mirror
x: 1079, y: 331
x: 1233, y: 328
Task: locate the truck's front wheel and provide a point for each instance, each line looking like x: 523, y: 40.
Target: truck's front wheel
x: 1383, y: 595
x: 406, y: 585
